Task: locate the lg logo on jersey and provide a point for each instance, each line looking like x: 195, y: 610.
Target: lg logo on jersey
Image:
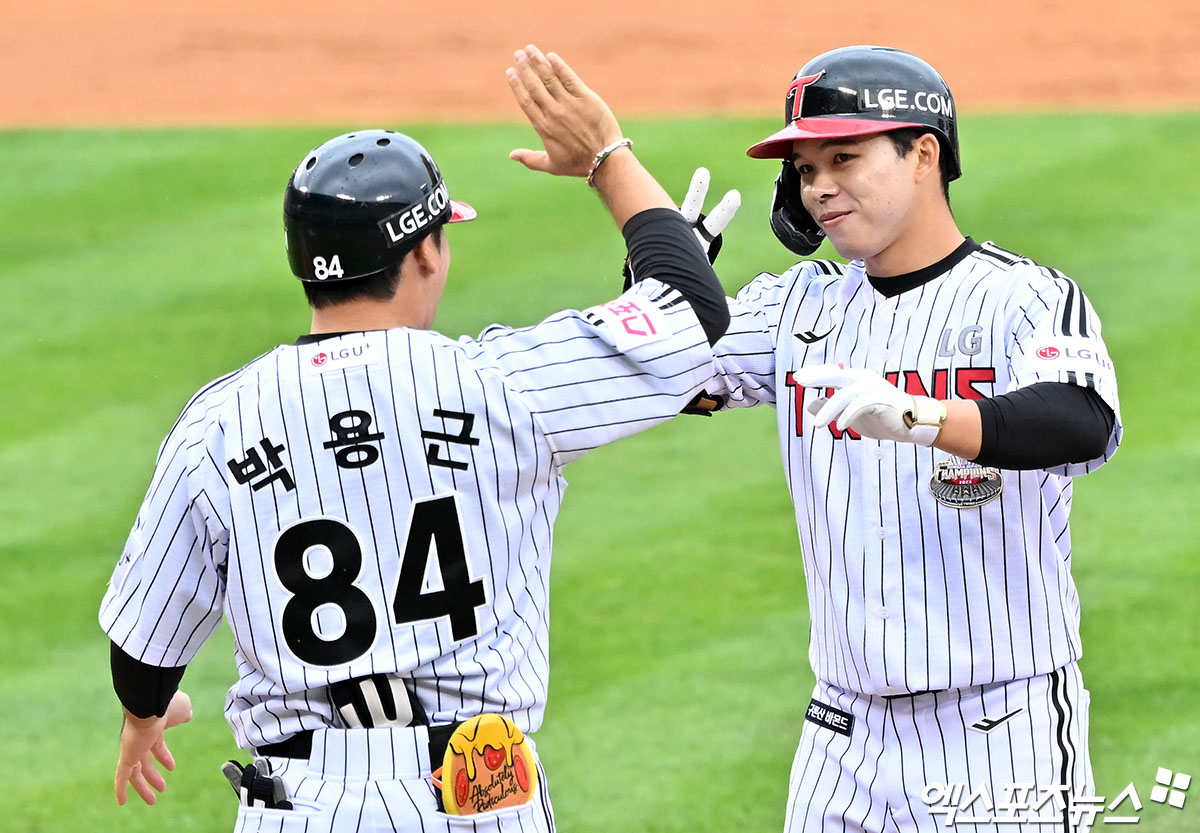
x: 969, y: 342
x: 325, y: 357
x: 1074, y: 357
x: 344, y: 354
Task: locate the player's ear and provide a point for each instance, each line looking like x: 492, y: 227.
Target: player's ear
x: 927, y: 151
x: 426, y: 256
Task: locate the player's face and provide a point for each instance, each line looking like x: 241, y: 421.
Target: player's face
x: 858, y: 190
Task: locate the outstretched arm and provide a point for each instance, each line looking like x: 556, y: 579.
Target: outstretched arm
x: 581, y: 138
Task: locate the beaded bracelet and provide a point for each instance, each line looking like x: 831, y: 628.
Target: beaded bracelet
x: 604, y: 154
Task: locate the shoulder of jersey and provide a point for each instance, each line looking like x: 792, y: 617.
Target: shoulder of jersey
x: 218, y: 391
x: 1029, y: 271
x: 806, y: 271
x: 820, y: 271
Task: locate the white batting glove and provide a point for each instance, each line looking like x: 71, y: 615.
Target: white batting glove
x: 869, y: 405
x: 708, y: 227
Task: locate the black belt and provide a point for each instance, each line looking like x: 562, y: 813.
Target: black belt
x: 299, y: 745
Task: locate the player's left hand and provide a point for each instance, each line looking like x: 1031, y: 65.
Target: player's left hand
x: 868, y: 404
x: 143, y: 743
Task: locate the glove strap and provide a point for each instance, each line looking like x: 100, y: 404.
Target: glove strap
x: 925, y: 419
x: 604, y: 154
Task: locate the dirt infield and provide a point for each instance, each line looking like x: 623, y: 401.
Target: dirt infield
x: 137, y: 62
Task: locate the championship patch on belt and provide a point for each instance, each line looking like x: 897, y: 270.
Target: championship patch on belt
x: 960, y: 484
x: 488, y: 765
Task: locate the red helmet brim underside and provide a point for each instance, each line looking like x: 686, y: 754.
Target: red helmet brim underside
x: 779, y: 145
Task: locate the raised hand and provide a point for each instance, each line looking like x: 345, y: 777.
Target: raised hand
x: 573, y: 122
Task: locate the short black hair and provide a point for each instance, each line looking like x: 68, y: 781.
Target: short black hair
x: 903, y: 140
x: 379, y: 286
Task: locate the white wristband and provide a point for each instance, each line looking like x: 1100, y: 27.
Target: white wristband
x: 924, y: 421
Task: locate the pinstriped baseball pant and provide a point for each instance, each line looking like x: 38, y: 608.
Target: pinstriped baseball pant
x: 1019, y: 748
x: 378, y: 780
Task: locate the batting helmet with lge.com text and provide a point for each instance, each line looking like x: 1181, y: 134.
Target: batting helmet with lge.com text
x: 853, y: 91
x: 360, y: 202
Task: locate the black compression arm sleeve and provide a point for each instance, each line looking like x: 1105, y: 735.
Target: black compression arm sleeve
x: 1044, y: 425
x: 662, y: 246
x: 146, y: 690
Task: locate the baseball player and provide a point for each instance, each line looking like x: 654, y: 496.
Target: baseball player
x: 372, y: 507
x: 935, y: 397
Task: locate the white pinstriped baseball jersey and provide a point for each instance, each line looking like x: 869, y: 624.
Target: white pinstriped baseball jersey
x: 907, y: 594
x: 384, y: 502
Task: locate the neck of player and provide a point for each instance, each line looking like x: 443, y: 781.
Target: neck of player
x: 927, y: 234
x: 422, y: 280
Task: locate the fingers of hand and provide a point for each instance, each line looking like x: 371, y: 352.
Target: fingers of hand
x: 566, y: 76
x: 547, y: 73
x: 163, y: 754
x: 142, y: 788
x: 693, y: 201
x: 525, y: 99
x: 141, y: 776
x: 862, y: 404
x: 844, y: 404
x: 535, y: 77
x: 151, y: 774
x: 723, y: 212
x: 830, y: 410
x: 827, y: 376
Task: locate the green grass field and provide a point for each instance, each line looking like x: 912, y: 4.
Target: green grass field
x: 138, y: 265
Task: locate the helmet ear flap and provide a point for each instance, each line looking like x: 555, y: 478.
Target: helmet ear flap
x: 792, y: 224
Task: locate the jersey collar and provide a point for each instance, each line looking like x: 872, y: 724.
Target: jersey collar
x: 890, y: 287
x: 312, y: 338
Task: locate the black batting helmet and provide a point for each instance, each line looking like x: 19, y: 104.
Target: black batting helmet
x: 359, y: 203
x: 853, y: 91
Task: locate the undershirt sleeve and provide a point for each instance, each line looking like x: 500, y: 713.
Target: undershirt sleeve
x: 145, y: 690
x: 1046, y: 424
x: 662, y: 246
